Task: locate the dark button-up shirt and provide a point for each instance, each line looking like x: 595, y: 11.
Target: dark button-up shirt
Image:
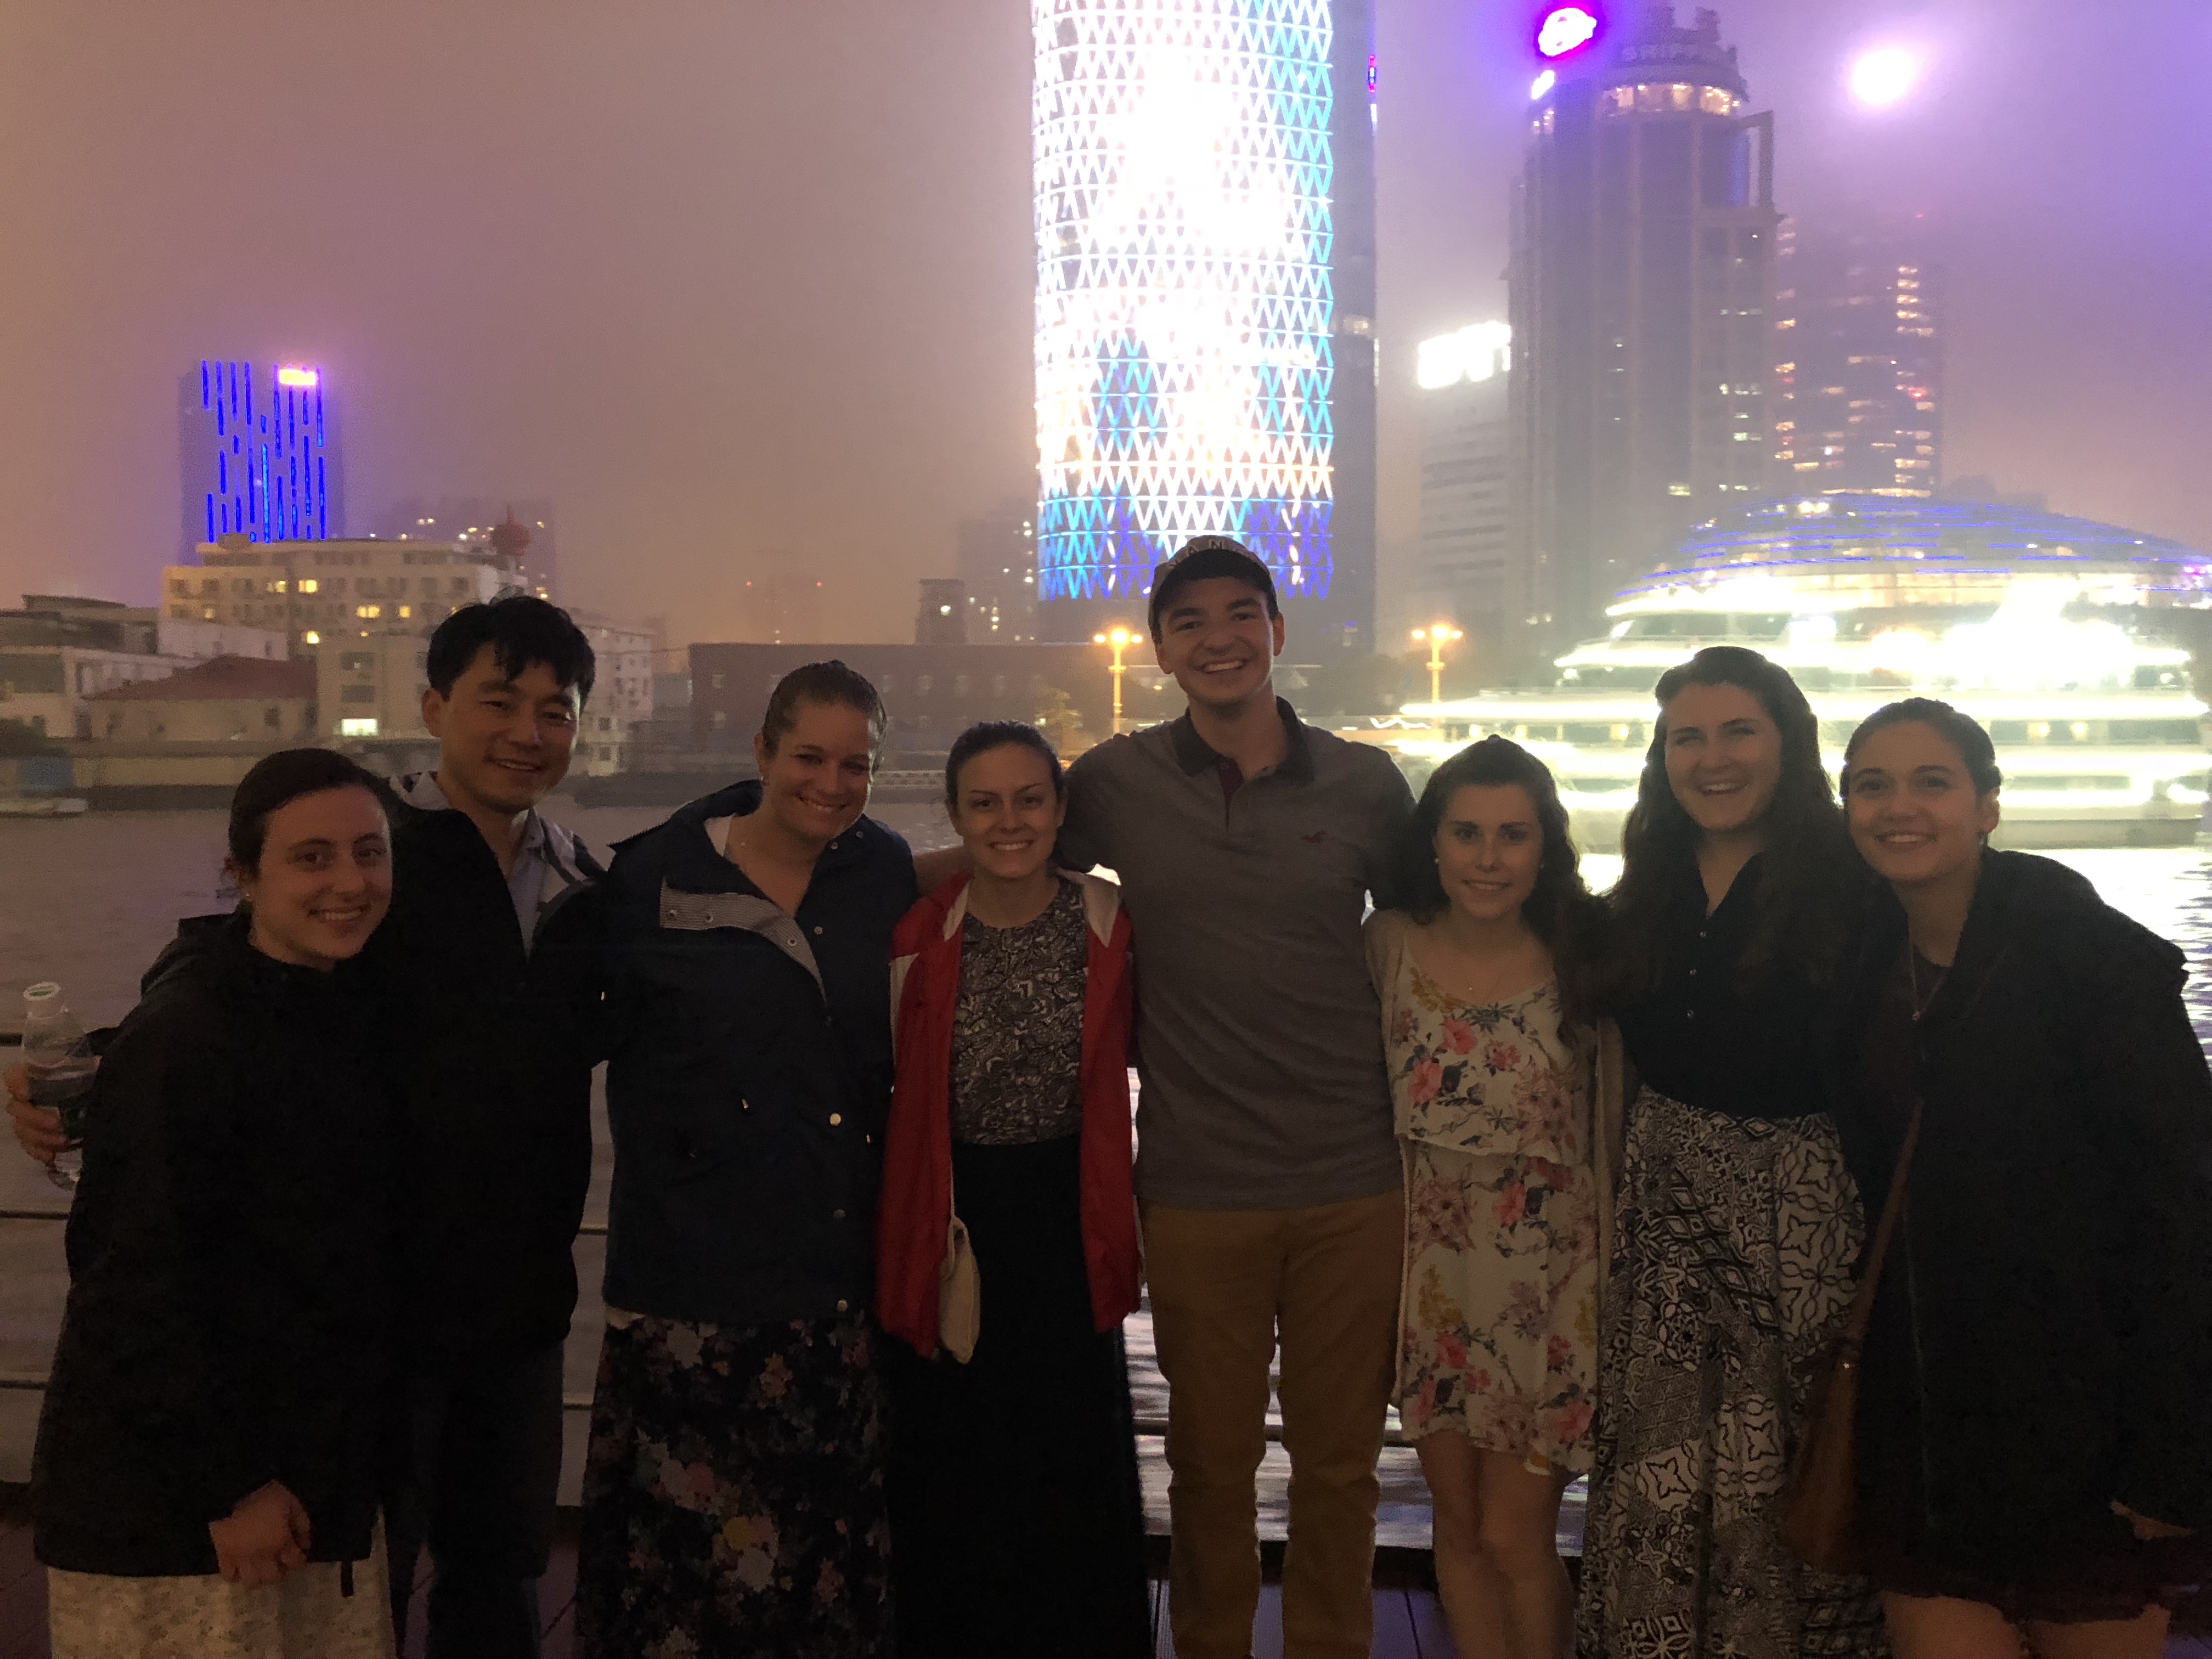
x: 1710, y: 1038
x: 750, y: 1073
x: 1259, y: 1041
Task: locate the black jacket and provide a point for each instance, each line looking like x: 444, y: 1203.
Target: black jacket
x: 748, y: 1096
x: 495, y: 1045
x: 2043, y: 1340
x: 230, y: 1264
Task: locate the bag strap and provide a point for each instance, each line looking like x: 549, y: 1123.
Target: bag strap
x: 1861, y: 1314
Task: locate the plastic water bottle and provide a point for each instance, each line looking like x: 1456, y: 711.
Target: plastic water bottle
x: 61, y: 1064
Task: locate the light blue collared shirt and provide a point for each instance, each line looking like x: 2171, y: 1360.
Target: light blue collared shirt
x: 545, y: 864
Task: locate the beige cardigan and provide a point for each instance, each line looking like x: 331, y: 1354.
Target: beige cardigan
x: 1386, y: 935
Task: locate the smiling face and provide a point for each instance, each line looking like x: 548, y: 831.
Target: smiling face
x: 1724, y: 757
x: 323, y: 881
x: 1005, y: 812
x: 503, y: 739
x: 1218, y: 641
x: 1489, y: 847
x: 1915, y: 815
x: 814, y: 782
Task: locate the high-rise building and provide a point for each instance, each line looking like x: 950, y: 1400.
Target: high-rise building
x: 941, y: 618
x: 1461, y: 573
x: 784, y: 610
x: 257, y: 459
x: 996, y: 556
x: 1206, y: 301
x: 1642, y: 298
x: 1858, y: 373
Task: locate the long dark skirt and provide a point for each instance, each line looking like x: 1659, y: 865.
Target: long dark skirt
x: 733, y: 1496
x: 1018, y: 1527
x: 1734, y: 1244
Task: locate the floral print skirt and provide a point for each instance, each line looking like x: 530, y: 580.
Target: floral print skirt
x: 1499, y: 1337
x: 1733, y: 1245
x: 733, y: 1496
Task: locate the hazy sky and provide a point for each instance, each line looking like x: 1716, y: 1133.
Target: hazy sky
x: 739, y: 281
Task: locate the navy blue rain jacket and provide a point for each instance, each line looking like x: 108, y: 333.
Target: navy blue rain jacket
x: 750, y: 1073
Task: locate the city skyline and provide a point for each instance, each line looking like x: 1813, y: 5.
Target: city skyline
x: 705, y: 354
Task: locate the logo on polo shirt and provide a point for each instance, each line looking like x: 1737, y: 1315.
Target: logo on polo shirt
x: 1316, y: 838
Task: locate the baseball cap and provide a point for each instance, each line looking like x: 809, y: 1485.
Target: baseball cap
x: 1205, y: 556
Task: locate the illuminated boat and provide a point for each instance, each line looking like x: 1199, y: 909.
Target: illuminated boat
x: 2050, y: 644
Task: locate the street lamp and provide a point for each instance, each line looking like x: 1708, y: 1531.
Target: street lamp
x: 1438, y: 634
x: 1121, y: 638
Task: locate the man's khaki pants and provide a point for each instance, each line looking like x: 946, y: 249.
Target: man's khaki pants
x: 1224, y: 1284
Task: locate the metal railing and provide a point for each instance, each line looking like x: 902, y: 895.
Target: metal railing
x: 1149, y: 1425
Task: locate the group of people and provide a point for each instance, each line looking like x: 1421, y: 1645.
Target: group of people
x: 1580, y: 1185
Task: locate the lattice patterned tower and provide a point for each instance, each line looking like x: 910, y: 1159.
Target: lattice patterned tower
x: 1205, y: 278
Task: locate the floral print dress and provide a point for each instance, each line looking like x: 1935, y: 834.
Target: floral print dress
x: 1497, y: 1335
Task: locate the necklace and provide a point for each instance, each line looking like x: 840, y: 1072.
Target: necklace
x: 1482, y: 993
x: 1920, y: 999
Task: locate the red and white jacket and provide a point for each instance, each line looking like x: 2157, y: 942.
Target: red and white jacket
x: 916, y: 1206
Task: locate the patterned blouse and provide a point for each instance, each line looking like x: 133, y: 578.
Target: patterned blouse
x: 1505, y: 1079
x: 1017, y: 1028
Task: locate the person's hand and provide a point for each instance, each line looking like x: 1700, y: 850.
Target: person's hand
x: 266, y: 1536
x: 2147, y: 1530
x: 39, y: 1128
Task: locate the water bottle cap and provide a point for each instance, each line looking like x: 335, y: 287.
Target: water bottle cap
x: 44, y: 992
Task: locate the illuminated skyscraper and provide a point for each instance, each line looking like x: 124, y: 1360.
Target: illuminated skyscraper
x: 258, y: 459
x: 1858, y: 371
x: 1206, y: 301
x: 1643, y: 291
x: 1462, y: 573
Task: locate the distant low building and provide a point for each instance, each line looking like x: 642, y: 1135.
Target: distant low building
x: 622, y: 694
x: 369, y: 686
x: 244, y: 701
x: 59, y: 651
x: 933, y: 692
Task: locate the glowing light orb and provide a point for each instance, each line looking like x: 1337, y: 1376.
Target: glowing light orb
x: 1566, y: 29
x: 290, y: 375
x: 1543, y: 84
x: 1884, y: 76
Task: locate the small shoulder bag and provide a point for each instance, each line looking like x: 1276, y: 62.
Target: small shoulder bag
x: 1821, y: 1499
x: 959, y: 1292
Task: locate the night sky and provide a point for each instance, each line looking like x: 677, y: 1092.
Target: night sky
x: 747, y: 282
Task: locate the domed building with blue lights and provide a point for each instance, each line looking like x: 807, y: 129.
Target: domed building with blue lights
x: 2045, y: 628
x: 1877, y: 550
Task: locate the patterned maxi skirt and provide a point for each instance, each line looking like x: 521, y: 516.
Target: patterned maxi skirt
x: 320, y: 1609
x: 733, y: 1495
x: 1733, y: 1245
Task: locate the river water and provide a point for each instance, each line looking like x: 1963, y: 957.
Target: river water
x: 90, y: 901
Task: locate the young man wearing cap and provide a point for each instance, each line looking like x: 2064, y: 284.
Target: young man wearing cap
x: 1267, y: 1179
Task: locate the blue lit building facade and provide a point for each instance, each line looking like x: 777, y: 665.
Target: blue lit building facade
x: 259, y: 456
x: 1878, y: 548
x: 1205, y: 303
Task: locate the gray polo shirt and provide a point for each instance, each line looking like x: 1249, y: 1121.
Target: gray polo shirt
x: 1259, y: 1039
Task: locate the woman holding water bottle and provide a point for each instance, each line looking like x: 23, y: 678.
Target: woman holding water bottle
x: 57, y: 1065
x: 205, y: 1478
